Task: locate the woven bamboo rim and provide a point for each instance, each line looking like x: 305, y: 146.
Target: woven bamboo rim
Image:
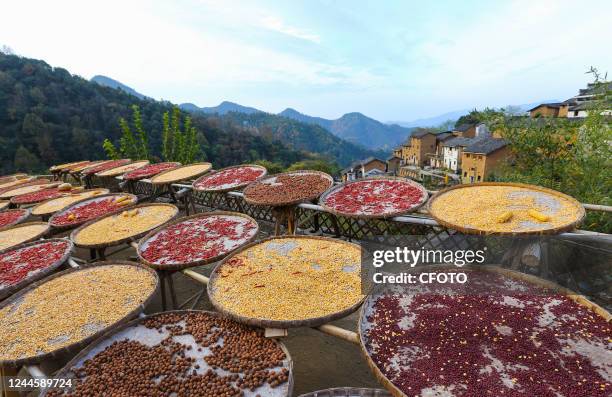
x: 42, y: 273
x: 176, y: 164
x: 85, y: 341
x: 237, y: 187
x: 62, y: 167
x: 333, y: 189
x: 580, y: 299
x: 207, y: 167
x: 4, y: 204
x: 25, y: 214
x: 5, y: 186
x: 134, y: 237
x: 8, y: 194
x: 31, y: 238
x: 66, y: 371
x: 12, y: 178
x: 79, y: 169
x: 312, y: 196
x: 185, y: 265
x: 36, y: 213
x: 266, y: 323
x: 26, y: 182
x: 467, y: 230
x: 116, y: 171
x: 14, y: 199
x: 133, y: 199
x: 89, y: 170
x: 348, y: 392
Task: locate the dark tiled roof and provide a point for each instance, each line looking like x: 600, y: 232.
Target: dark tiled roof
x: 420, y: 134
x: 358, y: 163
x: 444, y: 136
x: 458, y: 141
x: 486, y: 145
x: 550, y: 105
x: 464, y: 127
x: 393, y: 158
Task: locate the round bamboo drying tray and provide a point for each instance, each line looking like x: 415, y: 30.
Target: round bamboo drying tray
x: 85, y: 341
x: 122, y: 169
x: 11, y: 178
x: 38, y: 210
x: 34, y: 236
x: 19, y: 200
x: 9, y: 185
x: 134, y: 237
x: 363, y: 314
x: 122, y: 332
x: 348, y: 392
x: 27, y: 188
x: 235, y: 187
x: 25, y: 214
x: 180, y: 266
x: 60, y: 167
x: 180, y: 174
x: 133, y: 199
x: 439, y: 217
x: 104, y: 165
x: 127, y: 177
x: 42, y: 273
x: 4, y: 204
x: 324, y: 197
x: 77, y: 169
x: 280, y: 202
x: 268, y: 323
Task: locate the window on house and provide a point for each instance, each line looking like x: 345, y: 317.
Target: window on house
x: 478, y: 178
x: 467, y: 155
x: 464, y: 173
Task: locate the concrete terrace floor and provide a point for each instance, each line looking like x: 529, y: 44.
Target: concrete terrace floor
x: 320, y: 361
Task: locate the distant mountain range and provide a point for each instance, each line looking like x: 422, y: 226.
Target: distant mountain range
x: 295, y: 134
x: 108, y: 82
x: 353, y: 127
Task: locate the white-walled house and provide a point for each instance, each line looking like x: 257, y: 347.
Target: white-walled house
x: 451, y: 152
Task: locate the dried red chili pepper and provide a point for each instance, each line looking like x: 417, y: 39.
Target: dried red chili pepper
x: 198, y: 239
x: 37, y: 197
x: 375, y: 197
x: 16, y: 265
x: 9, y: 217
x: 229, y: 178
x: 81, y: 213
x: 149, y: 171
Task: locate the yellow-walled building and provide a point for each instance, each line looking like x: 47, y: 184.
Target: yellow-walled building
x: 482, y: 158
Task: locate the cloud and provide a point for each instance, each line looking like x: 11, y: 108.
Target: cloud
x: 275, y: 24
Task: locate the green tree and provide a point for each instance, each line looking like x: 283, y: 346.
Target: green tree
x: 273, y: 168
x: 571, y: 156
x: 316, y: 165
x: 134, y: 146
x: 26, y: 161
x: 179, y: 145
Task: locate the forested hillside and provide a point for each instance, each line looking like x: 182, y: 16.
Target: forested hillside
x: 298, y: 135
x: 49, y: 116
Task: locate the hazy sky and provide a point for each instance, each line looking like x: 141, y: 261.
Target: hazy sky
x: 390, y: 60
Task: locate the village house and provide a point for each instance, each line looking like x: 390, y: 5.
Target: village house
x: 574, y: 107
x: 557, y: 109
x: 452, y: 150
x: 481, y: 158
x: 436, y: 159
x: 420, y: 144
x: 393, y: 164
x: 363, y: 169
